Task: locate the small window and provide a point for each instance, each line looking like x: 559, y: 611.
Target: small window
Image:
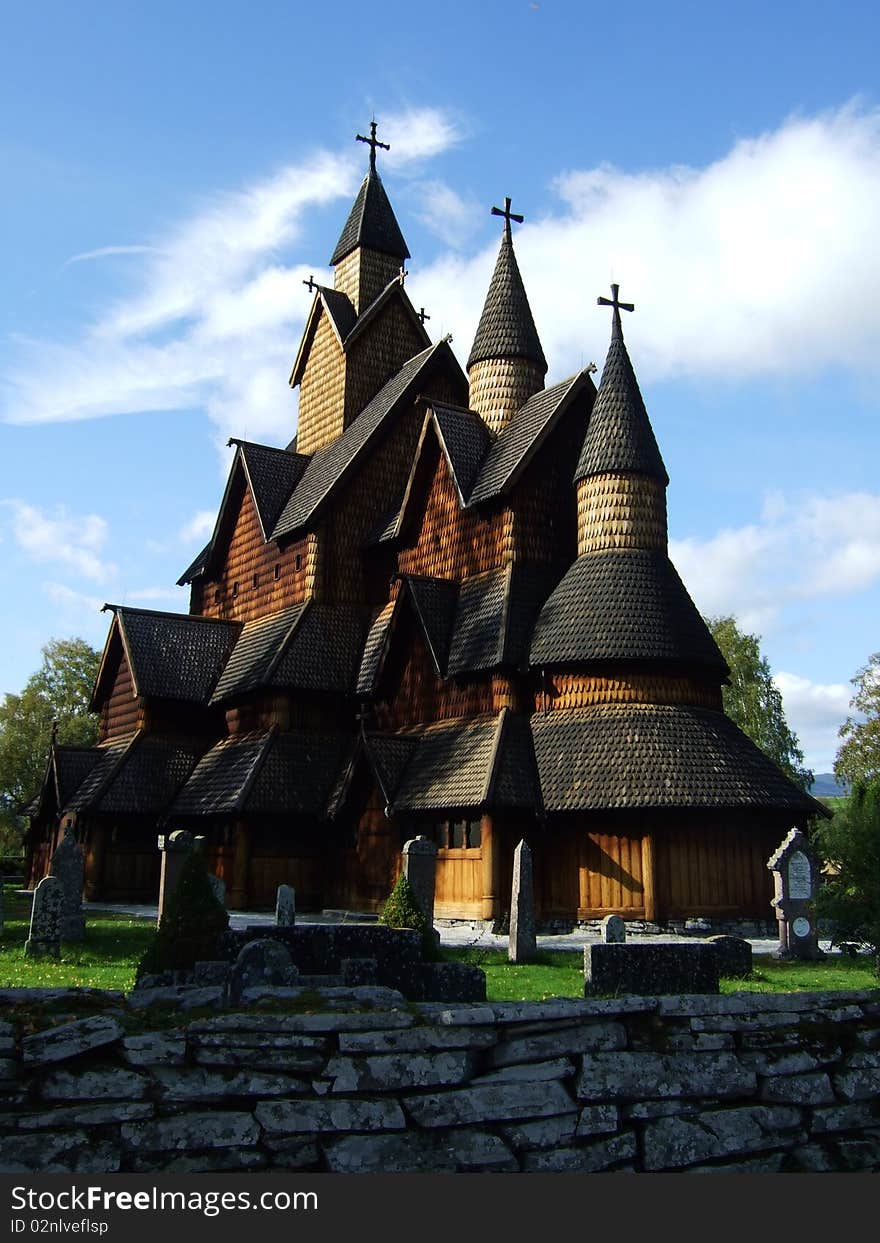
x: 256, y: 580
x: 458, y: 836
x: 234, y: 590
x: 277, y: 571
x: 218, y: 596
x: 298, y: 562
x: 474, y: 835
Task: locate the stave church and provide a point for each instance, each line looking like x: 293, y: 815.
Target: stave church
x: 444, y: 608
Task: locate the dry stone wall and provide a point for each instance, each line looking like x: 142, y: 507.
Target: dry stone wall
x: 742, y: 1083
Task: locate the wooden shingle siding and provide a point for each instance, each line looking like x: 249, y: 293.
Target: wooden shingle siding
x: 250, y: 558
x: 621, y: 511
x: 500, y: 386
x: 321, y: 391
x: 579, y: 690
x: 121, y: 712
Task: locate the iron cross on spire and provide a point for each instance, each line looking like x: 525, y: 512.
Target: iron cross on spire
x: 508, y: 215
x: 311, y: 284
x: 616, y: 329
x: 373, y: 142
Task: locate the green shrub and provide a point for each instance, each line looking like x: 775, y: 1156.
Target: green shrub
x: 193, y: 921
x: 850, y: 898
x: 401, y: 910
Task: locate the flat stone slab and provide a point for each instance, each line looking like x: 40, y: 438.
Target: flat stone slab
x: 587, y: 1037
x: 94, y: 1084
x: 70, y: 1039
x: 390, y: 1071
x: 293, y: 1117
x: 492, y: 1103
x: 213, y: 1129
x: 417, y: 1040
x: 181, y: 996
x: 662, y: 967
x: 638, y: 1076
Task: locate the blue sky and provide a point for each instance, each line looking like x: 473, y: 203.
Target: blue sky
x: 171, y: 173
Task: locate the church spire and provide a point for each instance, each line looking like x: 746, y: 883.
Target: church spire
x: 371, y: 247
x: 620, y: 477
x: 506, y: 364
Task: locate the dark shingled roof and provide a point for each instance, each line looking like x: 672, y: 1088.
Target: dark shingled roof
x: 332, y: 463
x: 110, y: 756
x: 507, y: 328
x: 256, y: 652
x: 465, y: 440
x: 523, y: 435
x: 389, y: 756
x: 657, y: 755
x: 371, y: 223
x: 619, y: 436
x: 340, y: 309
x: 623, y: 606
x: 149, y: 777
x: 374, y: 650
x: 196, y: 567
x: 71, y: 766
x: 272, y: 773
x: 223, y: 776
x: 495, y: 616
x: 273, y: 474
x: 434, y: 602
x: 470, y: 764
x: 175, y: 655
x: 308, y: 646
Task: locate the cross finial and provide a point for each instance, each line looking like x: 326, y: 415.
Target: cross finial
x: 402, y: 273
x: 508, y: 215
x: 373, y: 142
x: 311, y: 284
x: 616, y: 329
x: 423, y: 314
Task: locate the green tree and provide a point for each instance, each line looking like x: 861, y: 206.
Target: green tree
x: 58, y: 691
x: 850, y: 845
x: 858, y: 759
x: 753, y: 701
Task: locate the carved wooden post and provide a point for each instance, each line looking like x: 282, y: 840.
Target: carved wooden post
x: 649, y: 877
x: 241, y: 866
x: 489, y: 853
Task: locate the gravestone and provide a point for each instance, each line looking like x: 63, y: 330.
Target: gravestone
x: 794, y: 881
x: 285, y: 906
x: 662, y: 967
x: 67, y: 864
x: 263, y: 961
x: 44, y: 937
x: 420, y: 869
x: 734, y: 956
x: 613, y: 930
x: 174, y: 849
x: 522, y: 944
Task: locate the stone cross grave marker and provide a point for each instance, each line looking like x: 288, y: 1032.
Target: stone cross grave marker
x: 67, y: 864
x: 174, y: 849
x: 794, y: 882
x: 420, y: 869
x: 285, y: 906
x: 613, y: 930
x: 522, y: 943
x: 44, y: 937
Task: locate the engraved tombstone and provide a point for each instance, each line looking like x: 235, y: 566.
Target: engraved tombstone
x: 285, y: 906
x: 522, y: 944
x: 44, y: 937
x: 420, y: 869
x: 67, y: 865
x: 794, y: 873
x: 174, y: 849
x: 218, y: 887
x: 613, y: 930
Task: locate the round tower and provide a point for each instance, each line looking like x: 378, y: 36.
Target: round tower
x: 506, y: 364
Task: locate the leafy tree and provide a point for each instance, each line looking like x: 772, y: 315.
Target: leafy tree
x: 58, y: 691
x: 858, y: 759
x: 850, y: 843
x: 753, y: 701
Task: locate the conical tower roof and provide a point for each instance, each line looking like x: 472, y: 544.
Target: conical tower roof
x: 371, y: 223
x: 619, y: 439
x: 507, y: 329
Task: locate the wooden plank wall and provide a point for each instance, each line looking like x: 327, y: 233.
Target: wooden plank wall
x: 121, y: 711
x: 701, y: 871
x: 459, y: 889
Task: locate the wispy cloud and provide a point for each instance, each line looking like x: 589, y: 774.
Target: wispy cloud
x: 815, y: 711
x: 107, y: 252
x: 75, y: 541
x: 199, y: 527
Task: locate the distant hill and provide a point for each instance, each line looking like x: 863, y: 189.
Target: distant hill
x: 826, y: 785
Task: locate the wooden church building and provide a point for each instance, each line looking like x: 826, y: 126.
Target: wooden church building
x: 446, y: 607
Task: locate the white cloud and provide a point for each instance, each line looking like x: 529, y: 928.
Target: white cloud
x: 199, y: 528
x: 417, y: 135
x: 802, y: 548
x: 72, y: 540
x: 815, y: 712
x: 154, y: 595
x: 452, y: 218
x: 107, y: 252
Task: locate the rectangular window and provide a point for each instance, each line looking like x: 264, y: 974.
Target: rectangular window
x: 234, y: 590
x: 298, y: 561
x: 277, y: 571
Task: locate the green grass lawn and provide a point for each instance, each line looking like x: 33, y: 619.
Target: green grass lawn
x: 113, y: 944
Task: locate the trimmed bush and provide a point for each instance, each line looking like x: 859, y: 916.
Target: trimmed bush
x: 193, y: 921
x: 401, y: 910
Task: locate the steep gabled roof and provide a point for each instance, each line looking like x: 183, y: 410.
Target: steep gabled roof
x: 308, y: 646
x: 171, y: 655
x: 371, y: 223
x: 66, y: 770
x: 271, y: 475
x: 495, y: 616
x: 623, y: 605
x: 433, y: 600
x: 470, y: 765
x: 265, y: 773
x: 464, y: 439
x: 375, y: 649
x: 511, y: 453
x: 655, y: 755
x: 334, y: 463
x: 507, y: 327
x: 149, y: 776
x: 620, y: 439
x: 389, y: 755
x: 99, y: 777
